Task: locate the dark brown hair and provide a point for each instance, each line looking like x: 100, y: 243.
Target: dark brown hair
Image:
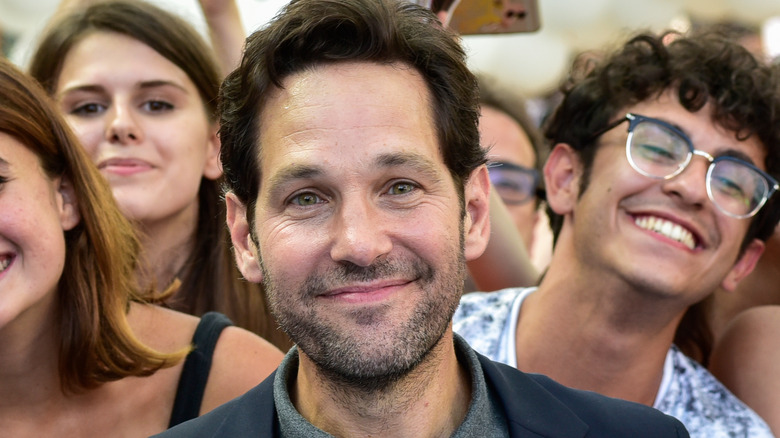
x: 308, y: 33
x: 705, y: 67
x: 209, y: 279
x: 701, y: 68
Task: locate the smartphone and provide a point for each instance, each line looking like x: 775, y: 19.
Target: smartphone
x: 472, y: 17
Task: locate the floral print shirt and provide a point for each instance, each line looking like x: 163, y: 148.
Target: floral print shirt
x: 488, y: 321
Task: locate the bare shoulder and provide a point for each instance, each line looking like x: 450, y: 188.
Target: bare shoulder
x: 160, y: 328
x: 745, y: 359
x: 750, y: 332
x: 241, y: 361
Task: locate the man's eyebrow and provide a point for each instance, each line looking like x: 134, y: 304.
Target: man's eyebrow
x: 734, y: 153
x: 295, y: 172
x: 291, y: 173
x: 729, y: 152
x: 410, y: 159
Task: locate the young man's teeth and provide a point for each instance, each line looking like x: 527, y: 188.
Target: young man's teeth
x: 666, y: 228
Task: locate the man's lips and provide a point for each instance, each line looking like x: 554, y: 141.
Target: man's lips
x: 669, y: 229
x: 365, y: 293
x: 124, y: 166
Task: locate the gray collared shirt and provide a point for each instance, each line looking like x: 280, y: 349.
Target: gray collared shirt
x: 485, y: 417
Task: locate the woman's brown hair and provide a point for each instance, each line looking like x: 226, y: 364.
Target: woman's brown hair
x: 209, y: 279
x: 98, y: 280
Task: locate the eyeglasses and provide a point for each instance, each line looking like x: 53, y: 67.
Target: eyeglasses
x: 659, y: 150
x: 515, y: 184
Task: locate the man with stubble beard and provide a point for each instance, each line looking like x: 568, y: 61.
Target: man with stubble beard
x: 356, y: 192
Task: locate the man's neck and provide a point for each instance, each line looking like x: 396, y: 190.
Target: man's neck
x: 585, y: 333
x: 430, y: 401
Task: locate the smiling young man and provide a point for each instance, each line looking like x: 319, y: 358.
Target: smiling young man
x: 357, y: 191
x: 662, y: 178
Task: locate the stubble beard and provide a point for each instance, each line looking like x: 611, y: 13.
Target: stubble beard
x: 369, y: 360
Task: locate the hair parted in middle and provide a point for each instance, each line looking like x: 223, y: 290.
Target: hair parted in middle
x: 209, y: 278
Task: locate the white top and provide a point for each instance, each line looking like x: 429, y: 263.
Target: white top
x: 488, y: 321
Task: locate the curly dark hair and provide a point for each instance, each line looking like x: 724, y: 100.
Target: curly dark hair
x: 702, y: 68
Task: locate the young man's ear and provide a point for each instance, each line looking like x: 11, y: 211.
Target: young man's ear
x: 477, y: 221
x: 562, y: 173
x: 246, y: 252
x: 212, y: 169
x: 67, y: 204
x: 744, y: 265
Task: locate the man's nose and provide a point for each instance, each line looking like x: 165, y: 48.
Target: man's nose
x: 360, y: 233
x: 690, y: 185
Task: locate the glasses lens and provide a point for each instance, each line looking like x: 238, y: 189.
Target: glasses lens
x: 656, y: 150
x: 514, y: 184
x: 735, y: 187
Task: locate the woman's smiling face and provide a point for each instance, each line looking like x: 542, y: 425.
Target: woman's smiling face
x: 36, y: 210
x: 142, y: 121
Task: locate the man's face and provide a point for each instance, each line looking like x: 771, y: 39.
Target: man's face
x: 360, y: 235
x: 664, y: 236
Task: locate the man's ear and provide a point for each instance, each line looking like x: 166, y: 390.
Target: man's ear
x: 212, y: 169
x: 744, y: 265
x: 477, y: 221
x: 67, y: 204
x: 562, y: 173
x: 244, y: 247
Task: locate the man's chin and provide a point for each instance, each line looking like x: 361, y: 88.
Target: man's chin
x: 376, y: 377
x: 374, y: 362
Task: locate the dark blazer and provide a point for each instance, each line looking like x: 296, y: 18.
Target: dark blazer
x: 535, y: 406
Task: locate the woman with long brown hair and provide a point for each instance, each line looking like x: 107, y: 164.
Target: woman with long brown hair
x: 81, y: 353
x: 139, y: 86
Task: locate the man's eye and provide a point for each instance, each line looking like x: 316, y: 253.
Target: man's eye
x: 402, y: 188
x: 305, y: 199
x: 656, y: 153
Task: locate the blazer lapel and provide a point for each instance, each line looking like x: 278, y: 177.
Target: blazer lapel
x: 530, y: 408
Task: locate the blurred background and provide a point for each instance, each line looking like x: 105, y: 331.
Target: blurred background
x: 532, y: 63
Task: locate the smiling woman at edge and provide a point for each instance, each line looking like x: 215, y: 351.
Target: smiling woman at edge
x: 139, y: 87
x: 82, y: 355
